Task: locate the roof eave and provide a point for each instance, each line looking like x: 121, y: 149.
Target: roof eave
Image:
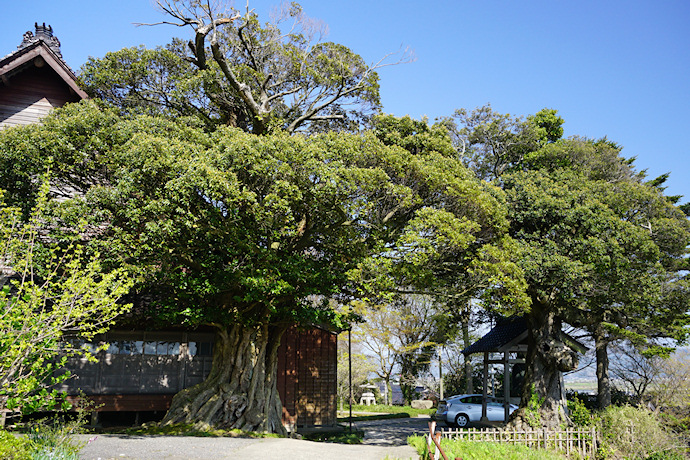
x: 37, y: 49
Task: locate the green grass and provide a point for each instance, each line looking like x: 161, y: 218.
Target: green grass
x: 339, y: 438
x: 364, y: 418
x: 380, y: 412
x: 189, y: 430
x: 483, y: 450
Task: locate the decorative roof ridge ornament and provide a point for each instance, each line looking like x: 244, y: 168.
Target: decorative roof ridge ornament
x: 44, y: 33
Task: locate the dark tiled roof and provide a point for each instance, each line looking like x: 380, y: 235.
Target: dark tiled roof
x: 504, y: 331
x: 43, y: 34
x: 507, y: 330
x: 42, y: 44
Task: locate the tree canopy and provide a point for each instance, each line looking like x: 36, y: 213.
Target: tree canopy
x: 250, y: 234
x: 236, y: 71
x: 600, y: 249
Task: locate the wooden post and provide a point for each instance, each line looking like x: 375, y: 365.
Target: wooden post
x: 506, y: 385
x: 440, y: 375
x: 485, y: 386
x: 349, y: 362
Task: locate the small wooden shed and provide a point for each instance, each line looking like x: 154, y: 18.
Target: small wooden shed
x: 508, y: 339
x: 35, y: 79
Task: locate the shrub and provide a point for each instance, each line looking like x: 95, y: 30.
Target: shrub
x: 53, y: 440
x: 678, y: 422
x: 635, y: 433
x: 13, y: 447
x: 589, y: 401
x: 44, y: 440
x: 579, y: 413
x: 621, y: 397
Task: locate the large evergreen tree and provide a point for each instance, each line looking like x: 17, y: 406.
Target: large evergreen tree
x: 248, y: 233
x: 601, y: 249
x: 236, y: 71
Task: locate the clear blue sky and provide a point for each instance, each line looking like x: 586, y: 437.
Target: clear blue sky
x: 615, y: 68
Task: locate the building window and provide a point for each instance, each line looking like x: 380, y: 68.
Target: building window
x: 138, y: 347
x: 200, y: 348
x: 167, y: 348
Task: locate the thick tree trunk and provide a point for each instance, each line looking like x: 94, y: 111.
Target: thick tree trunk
x: 603, y: 382
x: 469, y: 383
x: 547, y: 357
x: 240, y: 391
x: 389, y: 390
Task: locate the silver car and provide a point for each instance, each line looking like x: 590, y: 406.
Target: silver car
x: 461, y: 410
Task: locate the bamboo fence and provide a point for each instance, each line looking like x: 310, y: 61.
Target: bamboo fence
x: 571, y: 441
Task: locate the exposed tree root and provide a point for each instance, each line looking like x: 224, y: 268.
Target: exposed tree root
x: 240, y: 392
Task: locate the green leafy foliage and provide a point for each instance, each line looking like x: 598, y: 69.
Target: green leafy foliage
x: 13, y: 447
x: 579, y: 414
x: 532, y: 411
x: 51, y: 293
x: 597, y: 247
x: 228, y: 226
x: 237, y: 71
x: 225, y: 227
x: 601, y: 249
x: 152, y: 81
x: 492, y: 144
x: 415, y: 136
x: 636, y: 433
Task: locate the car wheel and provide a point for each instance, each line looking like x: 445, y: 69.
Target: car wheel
x: 461, y: 421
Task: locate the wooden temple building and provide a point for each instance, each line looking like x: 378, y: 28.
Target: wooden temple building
x: 140, y: 371
x: 35, y: 79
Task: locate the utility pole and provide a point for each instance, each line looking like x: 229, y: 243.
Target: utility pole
x: 349, y: 361
x: 440, y: 374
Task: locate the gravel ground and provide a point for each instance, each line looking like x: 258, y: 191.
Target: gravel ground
x: 111, y: 447
x: 393, y: 432
x: 384, y: 438
x: 162, y: 447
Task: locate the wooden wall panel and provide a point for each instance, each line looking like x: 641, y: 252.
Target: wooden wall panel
x: 306, y: 380
x: 308, y: 391
x: 31, y: 95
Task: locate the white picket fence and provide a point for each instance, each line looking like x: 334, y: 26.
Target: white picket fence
x: 579, y: 441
